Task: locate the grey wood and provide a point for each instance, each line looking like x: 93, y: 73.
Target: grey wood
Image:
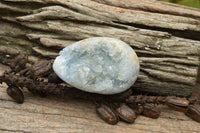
x: 165, y: 36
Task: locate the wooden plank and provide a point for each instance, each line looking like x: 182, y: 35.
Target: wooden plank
x: 51, y: 114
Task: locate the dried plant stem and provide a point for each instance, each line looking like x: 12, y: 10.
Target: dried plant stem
x: 60, y: 90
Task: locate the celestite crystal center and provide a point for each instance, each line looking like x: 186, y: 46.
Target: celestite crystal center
x: 99, y: 65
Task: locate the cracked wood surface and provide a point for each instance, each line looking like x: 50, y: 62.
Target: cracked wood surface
x: 74, y: 115
x: 165, y: 36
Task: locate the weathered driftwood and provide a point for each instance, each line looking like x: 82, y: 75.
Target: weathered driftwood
x: 165, y: 36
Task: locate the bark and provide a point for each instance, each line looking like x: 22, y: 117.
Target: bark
x: 165, y: 36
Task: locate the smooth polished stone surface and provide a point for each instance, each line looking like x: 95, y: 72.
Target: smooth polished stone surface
x: 99, y: 65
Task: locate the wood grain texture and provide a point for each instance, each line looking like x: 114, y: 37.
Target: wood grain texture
x: 78, y: 116
x: 165, y: 36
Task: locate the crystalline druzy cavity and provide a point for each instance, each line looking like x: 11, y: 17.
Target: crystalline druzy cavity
x: 99, y: 65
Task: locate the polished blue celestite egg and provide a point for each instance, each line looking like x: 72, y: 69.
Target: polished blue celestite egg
x: 99, y: 65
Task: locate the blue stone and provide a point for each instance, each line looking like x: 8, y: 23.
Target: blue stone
x: 99, y: 65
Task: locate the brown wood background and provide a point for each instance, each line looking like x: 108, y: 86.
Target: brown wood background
x: 44, y: 115
x: 165, y: 36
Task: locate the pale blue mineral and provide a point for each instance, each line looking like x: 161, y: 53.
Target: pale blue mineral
x: 99, y: 65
